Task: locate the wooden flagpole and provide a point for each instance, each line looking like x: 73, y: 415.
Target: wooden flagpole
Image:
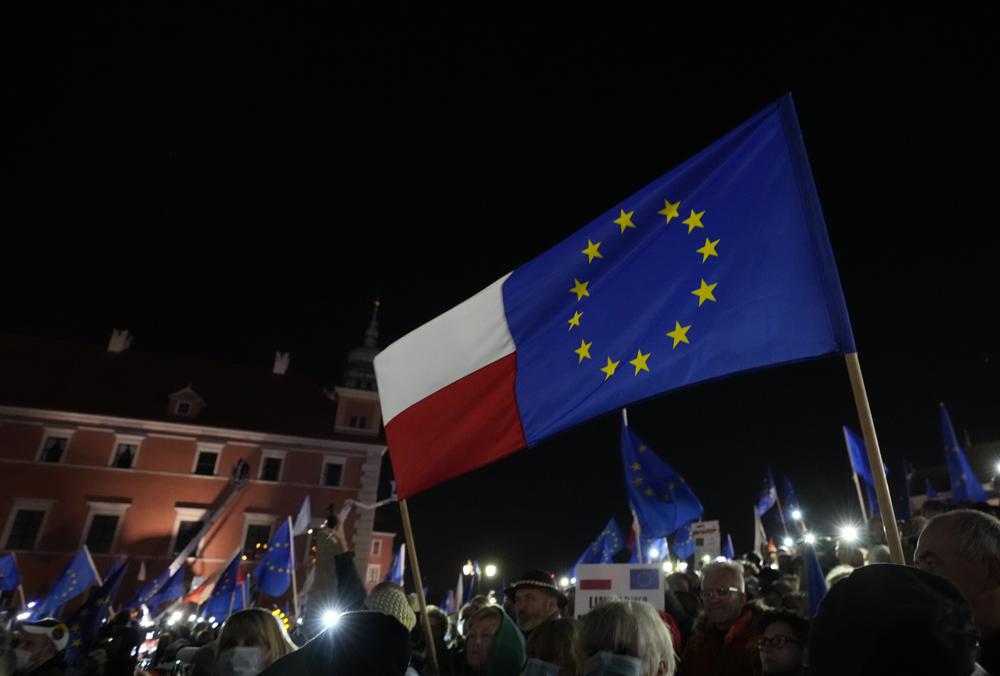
x: 781, y: 510
x: 291, y: 567
x: 419, y: 583
x: 875, y: 458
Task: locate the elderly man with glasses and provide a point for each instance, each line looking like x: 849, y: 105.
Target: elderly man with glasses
x: 722, y: 645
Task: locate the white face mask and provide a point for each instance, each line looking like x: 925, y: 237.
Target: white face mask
x: 240, y: 661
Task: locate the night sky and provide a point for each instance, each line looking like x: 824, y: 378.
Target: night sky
x: 228, y: 182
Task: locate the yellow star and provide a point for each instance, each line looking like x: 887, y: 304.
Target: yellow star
x: 637, y: 481
x: 609, y: 369
x: 640, y: 362
x: 625, y: 220
x: 76, y: 642
x: 679, y: 334
x: 580, y: 289
x: 671, y: 486
x: 705, y: 292
x: 591, y: 251
x: 708, y: 249
x: 636, y: 466
x: 650, y: 492
x: 694, y: 220
x: 642, y: 448
x: 583, y: 350
x: 575, y: 320
x: 669, y: 210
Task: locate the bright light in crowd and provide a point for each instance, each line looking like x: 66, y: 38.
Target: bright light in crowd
x: 32, y: 604
x: 330, y: 618
x: 176, y: 616
x: 721, y: 558
x: 299, y: 621
x: 809, y: 538
x: 467, y: 569
x: 490, y: 570
x: 564, y: 582
x: 668, y: 566
x: 215, y: 625
x: 682, y: 566
x: 797, y: 514
x: 707, y: 558
x: 211, y: 619
x: 848, y: 533
x: 171, y: 622
x: 788, y: 542
x: 192, y: 618
x: 654, y: 553
x: 23, y: 616
x: 572, y: 580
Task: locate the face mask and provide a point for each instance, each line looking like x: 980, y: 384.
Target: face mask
x: 24, y: 659
x: 240, y: 661
x: 537, y: 667
x: 609, y: 664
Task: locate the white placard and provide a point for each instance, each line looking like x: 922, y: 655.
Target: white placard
x: 597, y: 583
x: 707, y: 540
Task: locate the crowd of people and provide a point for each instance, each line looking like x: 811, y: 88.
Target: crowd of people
x: 939, y: 615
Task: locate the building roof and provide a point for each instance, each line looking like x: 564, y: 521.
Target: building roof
x: 57, y: 375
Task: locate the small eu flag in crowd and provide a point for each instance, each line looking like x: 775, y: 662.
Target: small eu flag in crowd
x: 10, y: 578
x: 964, y: 484
x: 75, y: 579
x: 604, y: 548
x: 87, y: 621
x: 274, y: 572
x: 768, y: 495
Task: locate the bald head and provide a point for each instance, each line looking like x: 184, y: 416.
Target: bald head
x: 963, y: 546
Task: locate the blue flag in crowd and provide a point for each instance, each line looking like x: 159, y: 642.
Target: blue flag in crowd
x: 789, y: 501
x: 274, y: 572
x: 654, y: 550
x: 902, y: 504
x: 660, y: 498
x: 150, y: 589
x: 448, y: 603
x: 75, y: 579
x: 768, y: 495
x: 397, y: 571
x: 858, y: 453
x: 683, y: 544
x: 87, y: 621
x: 964, y: 484
x: 816, y: 582
x: 931, y: 493
x: 727, y: 548
x: 10, y: 578
x: 223, y: 598
x: 171, y: 591
x: 604, y: 548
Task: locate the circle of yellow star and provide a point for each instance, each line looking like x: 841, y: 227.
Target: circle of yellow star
x: 583, y: 350
x: 705, y: 292
x: 574, y: 320
x: 694, y: 220
x: 708, y: 249
x: 580, y: 289
x: 592, y: 251
x: 669, y: 210
x: 625, y: 220
x: 650, y: 492
x: 609, y: 368
x: 679, y: 334
x: 637, y: 481
x: 636, y: 466
x: 640, y: 362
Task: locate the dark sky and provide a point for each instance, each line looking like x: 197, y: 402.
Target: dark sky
x: 227, y: 182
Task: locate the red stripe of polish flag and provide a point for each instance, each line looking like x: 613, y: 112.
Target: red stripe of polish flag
x: 595, y: 584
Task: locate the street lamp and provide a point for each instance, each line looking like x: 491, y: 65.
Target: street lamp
x: 490, y: 570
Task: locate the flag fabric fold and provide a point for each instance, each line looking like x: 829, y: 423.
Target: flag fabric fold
x: 150, y: 589
x: 87, y: 621
x: 604, y: 547
x: 74, y: 580
x: 660, y: 498
x: 964, y: 484
x: 815, y: 581
x: 273, y: 573
x: 10, y: 577
x: 727, y: 548
x: 171, y: 591
x: 682, y: 544
x: 722, y: 265
x: 398, y: 570
x: 929, y: 490
x: 859, y: 464
x: 304, y: 518
x: 223, y: 597
x: 768, y: 495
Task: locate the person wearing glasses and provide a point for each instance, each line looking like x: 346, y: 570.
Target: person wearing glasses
x: 723, y: 645
x: 783, y: 637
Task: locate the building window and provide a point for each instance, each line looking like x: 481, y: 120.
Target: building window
x: 185, y: 531
x: 53, y: 448
x: 376, y: 547
x: 270, y: 469
x: 124, y: 456
x: 183, y: 408
x: 333, y: 471
x: 358, y: 421
x: 101, y: 537
x: 374, y: 575
x: 257, y: 537
x: 206, y: 463
x: 25, y: 529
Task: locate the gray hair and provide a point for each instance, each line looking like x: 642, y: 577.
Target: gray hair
x: 977, y: 535
x: 628, y: 628
x: 733, y: 567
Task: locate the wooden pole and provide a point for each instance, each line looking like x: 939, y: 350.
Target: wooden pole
x: 781, y: 510
x: 291, y: 567
x: 875, y: 458
x: 419, y: 584
x: 857, y: 483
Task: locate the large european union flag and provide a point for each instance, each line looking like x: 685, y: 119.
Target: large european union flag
x: 604, y: 548
x: 75, y: 579
x: 964, y: 484
x: 660, y: 498
x: 87, y: 621
x: 150, y: 589
x: 722, y: 265
x: 274, y: 572
x: 10, y: 578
